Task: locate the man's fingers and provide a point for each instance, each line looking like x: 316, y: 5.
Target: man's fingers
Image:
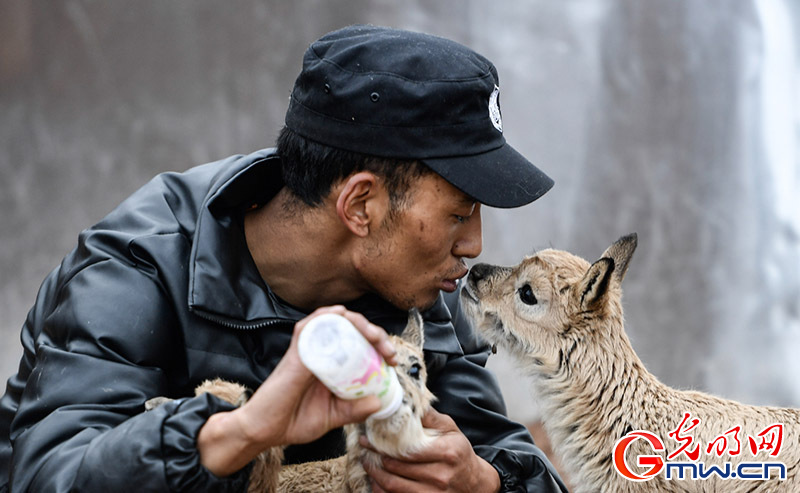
x: 356, y: 410
x: 364, y: 442
x: 383, y: 480
x: 425, y: 472
x: 375, y: 335
x: 376, y: 488
x: 435, y: 420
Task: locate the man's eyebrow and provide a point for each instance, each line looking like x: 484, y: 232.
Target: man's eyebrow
x: 467, y: 200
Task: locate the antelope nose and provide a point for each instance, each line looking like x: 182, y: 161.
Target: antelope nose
x: 479, y: 272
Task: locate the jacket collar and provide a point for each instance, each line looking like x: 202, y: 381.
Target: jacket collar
x: 224, y: 283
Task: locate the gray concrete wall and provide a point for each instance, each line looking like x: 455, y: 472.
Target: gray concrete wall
x: 675, y: 119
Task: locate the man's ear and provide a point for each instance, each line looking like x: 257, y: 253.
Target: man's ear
x: 359, y: 202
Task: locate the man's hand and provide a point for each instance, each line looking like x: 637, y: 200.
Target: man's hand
x: 448, y: 464
x: 290, y: 407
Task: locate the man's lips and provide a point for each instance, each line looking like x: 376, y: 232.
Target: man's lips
x: 450, y: 284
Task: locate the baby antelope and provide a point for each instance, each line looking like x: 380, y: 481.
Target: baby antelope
x: 614, y: 425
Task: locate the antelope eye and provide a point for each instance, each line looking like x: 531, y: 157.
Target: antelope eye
x: 414, y: 371
x: 526, y: 295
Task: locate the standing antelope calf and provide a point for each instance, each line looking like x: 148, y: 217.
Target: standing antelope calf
x: 561, y: 318
x: 399, y: 435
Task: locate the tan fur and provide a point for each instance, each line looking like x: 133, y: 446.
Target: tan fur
x: 398, y: 436
x: 593, y: 387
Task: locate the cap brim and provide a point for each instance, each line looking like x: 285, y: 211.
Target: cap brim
x: 498, y: 178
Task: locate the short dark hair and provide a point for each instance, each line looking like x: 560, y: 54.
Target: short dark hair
x: 311, y: 168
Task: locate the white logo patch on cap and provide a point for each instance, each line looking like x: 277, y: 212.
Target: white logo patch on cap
x: 494, y: 109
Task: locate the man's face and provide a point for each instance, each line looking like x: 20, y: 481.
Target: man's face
x: 409, y: 258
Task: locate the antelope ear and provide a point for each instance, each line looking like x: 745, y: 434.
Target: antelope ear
x: 592, y: 288
x: 621, y: 253
x: 414, y: 333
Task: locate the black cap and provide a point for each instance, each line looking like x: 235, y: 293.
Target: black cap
x: 400, y: 94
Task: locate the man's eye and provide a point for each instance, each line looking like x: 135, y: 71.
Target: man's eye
x: 527, y: 296
x: 461, y: 219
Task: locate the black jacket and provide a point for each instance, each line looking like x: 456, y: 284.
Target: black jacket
x: 162, y: 294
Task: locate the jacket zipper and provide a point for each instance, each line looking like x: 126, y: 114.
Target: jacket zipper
x: 226, y: 322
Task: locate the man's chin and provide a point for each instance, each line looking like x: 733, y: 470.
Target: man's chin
x: 430, y: 301
x: 421, y: 303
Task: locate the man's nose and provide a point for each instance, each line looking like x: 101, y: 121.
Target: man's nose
x: 470, y: 244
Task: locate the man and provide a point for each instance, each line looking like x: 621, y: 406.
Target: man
x: 393, y: 140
